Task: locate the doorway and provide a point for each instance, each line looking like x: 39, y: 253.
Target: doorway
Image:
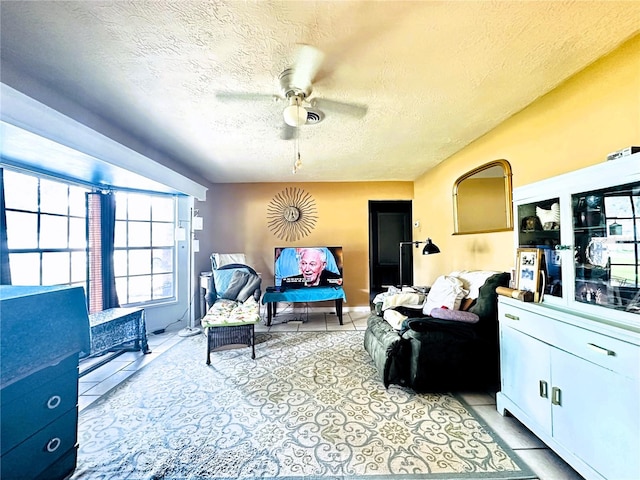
x: 389, y: 224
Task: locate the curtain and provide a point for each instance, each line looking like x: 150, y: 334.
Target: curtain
x: 5, y: 270
x: 101, y: 221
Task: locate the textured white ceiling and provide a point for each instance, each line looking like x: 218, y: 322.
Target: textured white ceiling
x: 435, y: 75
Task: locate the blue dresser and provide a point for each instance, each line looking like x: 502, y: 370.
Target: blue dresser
x: 42, y: 331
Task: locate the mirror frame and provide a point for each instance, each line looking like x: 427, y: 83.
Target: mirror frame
x: 508, y: 194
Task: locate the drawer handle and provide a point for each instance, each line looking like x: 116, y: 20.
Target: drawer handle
x: 53, y: 444
x: 54, y: 402
x: 512, y: 316
x: 556, y: 396
x: 602, y: 350
x: 544, y: 389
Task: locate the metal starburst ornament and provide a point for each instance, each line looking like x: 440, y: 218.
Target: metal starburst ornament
x: 292, y: 214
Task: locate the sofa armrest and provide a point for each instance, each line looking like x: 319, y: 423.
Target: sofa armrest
x: 384, y: 345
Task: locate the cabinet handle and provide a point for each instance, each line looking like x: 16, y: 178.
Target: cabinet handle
x: 512, y: 316
x: 556, y: 396
x: 53, y: 444
x: 602, y: 350
x: 53, y: 402
x: 544, y: 389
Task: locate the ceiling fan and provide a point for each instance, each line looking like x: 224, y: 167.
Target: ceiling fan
x: 296, y: 85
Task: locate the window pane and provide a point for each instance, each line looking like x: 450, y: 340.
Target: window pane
x: 120, y: 263
x: 139, y: 207
x: 139, y: 234
x: 121, y: 290
x: 120, y: 240
x: 162, y: 208
x: 162, y: 260
x: 53, y: 197
x: 162, y: 286
x: 77, y: 201
x: 53, y: 231
x: 623, y: 275
x: 620, y: 230
x: 22, y: 230
x: 25, y: 268
x: 618, y: 206
x: 621, y: 253
x: 121, y: 205
x: 78, y: 267
x: 77, y: 233
x: 140, y: 289
x: 139, y: 262
x: 162, y: 234
x: 55, y: 268
x: 20, y: 191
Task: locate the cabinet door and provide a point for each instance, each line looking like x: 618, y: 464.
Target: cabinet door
x: 539, y: 227
x: 525, y: 372
x: 597, y: 415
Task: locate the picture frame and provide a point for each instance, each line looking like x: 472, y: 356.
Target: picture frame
x: 528, y: 270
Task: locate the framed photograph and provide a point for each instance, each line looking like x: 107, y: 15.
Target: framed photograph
x: 528, y: 270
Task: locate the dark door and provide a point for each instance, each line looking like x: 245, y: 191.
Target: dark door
x: 389, y: 224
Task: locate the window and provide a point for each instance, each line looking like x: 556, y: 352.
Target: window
x: 622, y: 209
x: 46, y: 231
x: 47, y: 238
x: 144, y: 247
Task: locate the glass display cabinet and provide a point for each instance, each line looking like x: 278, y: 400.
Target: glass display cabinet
x: 587, y: 224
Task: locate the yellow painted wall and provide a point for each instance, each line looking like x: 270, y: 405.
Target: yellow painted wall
x: 576, y: 125
x: 235, y: 220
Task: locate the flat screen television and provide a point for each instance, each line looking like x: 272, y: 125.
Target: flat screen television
x: 305, y: 267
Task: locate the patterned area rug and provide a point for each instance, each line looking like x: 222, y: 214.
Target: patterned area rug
x: 311, y: 406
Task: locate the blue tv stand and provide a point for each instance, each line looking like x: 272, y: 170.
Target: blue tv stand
x: 303, y: 295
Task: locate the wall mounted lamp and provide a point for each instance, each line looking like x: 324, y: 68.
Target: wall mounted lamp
x: 429, y: 249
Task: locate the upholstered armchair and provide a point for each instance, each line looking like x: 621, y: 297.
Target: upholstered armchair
x: 233, y: 306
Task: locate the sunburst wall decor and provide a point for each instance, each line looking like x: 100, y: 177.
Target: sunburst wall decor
x: 292, y: 214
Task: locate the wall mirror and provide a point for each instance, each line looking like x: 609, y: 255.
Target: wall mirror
x: 482, y: 199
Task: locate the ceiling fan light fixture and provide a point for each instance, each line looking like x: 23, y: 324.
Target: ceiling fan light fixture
x: 295, y: 114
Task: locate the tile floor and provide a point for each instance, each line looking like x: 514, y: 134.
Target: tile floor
x: 544, y: 462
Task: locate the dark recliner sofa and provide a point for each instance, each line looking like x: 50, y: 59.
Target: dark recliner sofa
x: 434, y: 355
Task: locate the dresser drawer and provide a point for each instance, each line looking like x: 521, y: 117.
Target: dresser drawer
x: 23, y: 416
x: 37, y: 453
x: 22, y: 388
x: 61, y: 468
x: 608, y: 352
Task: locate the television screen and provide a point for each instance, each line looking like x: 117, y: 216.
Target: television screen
x: 298, y: 267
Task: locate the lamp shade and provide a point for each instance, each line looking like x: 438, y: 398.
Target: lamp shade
x: 295, y: 115
x: 430, y: 248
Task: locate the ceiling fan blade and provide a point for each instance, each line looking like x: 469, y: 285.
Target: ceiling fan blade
x: 352, y: 109
x: 248, y: 96
x: 307, y: 63
x: 287, y: 132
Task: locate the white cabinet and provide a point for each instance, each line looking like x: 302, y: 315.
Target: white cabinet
x: 575, y: 383
x: 570, y: 365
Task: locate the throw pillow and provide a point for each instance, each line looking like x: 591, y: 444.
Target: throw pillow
x: 394, y: 318
x: 472, y: 280
x: 486, y: 305
x: 447, y: 292
x: 238, y: 281
x: 456, y: 315
x: 253, y: 283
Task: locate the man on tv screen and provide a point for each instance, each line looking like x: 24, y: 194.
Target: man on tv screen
x: 312, y: 264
